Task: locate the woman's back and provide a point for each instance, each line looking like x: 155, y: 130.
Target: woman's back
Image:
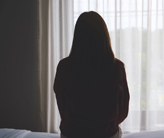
x: 98, y: 109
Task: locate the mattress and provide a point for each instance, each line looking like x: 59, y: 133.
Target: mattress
x: 146, y: 134
x: 15, y: 133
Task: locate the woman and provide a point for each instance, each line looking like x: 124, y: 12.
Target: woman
x: 90, y: 85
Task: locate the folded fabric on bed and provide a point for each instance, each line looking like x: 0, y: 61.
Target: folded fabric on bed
x: 13, y: 133
x: 146, y: 134
x: 41, y: 135
x: 16, y: 133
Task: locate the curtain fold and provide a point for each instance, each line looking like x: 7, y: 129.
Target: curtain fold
x: 137, y: 37
x: 55, y: 38
x: 43, y: 61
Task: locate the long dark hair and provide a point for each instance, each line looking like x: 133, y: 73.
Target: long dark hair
x: 91, y: 55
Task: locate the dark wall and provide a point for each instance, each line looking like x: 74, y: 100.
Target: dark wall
x: 18, y: 64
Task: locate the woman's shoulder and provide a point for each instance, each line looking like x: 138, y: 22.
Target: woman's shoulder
x: 63, y: 62
x: 62, y: 65
x: 119, y: 63
x: 120, y: 69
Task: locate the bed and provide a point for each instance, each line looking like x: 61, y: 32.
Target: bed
x: 147, y: 134
x: 15, y: 133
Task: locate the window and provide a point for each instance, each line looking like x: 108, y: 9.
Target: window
x: 136, y: 31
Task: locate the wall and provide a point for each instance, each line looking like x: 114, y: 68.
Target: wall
x: 18, y: 64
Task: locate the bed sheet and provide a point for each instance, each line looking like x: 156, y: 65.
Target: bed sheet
x: 16, y: 133
x: 146, y: 134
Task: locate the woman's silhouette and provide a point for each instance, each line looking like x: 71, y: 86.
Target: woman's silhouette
x: 90, y: 84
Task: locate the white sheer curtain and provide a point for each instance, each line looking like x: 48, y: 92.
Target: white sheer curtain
x: 137, y: 35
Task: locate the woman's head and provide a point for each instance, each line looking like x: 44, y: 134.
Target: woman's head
x: 91, y: 40
x: 91, y: 55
